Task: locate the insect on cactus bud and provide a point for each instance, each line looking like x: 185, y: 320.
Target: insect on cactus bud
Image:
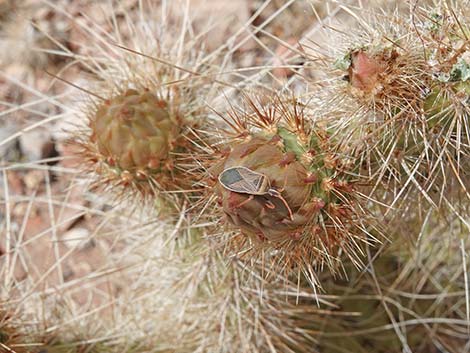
x: 277, y: 198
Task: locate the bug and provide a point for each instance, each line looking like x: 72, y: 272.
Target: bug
x: 243, y: 180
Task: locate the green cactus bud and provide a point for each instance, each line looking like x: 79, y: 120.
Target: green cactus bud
x: 135, y: 140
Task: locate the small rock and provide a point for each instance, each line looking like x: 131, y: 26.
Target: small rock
x: 9, y: 91
x: 33, y: 179
x: 8, y: 150
x: 37, y: 144
x: 229, y: 17
x: 77, y: 238
x: 19, y: 211
x: 67, y: 272
x: 15, y: 183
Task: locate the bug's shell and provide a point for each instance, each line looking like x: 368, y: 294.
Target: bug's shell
x: 244, y: 181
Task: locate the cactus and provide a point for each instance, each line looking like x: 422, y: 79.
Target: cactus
x: 265, y: 197
x: 9, y: 337
x: 135, y: 140
x: 404, y: 104
x: 15, y: 339
x: 407, y: 301
x: 146, y: 120
x: 286, y: 191
x: 225, y: 308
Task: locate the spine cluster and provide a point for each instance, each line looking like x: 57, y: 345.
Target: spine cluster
x: 293, y: 222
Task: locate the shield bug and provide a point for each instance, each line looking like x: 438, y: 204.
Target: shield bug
x: 243, y: 180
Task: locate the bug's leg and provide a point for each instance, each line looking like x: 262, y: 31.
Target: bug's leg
x: 251, y: 197
x: 270, y: 205
x: 291, y: 216
x: 276, y: 193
